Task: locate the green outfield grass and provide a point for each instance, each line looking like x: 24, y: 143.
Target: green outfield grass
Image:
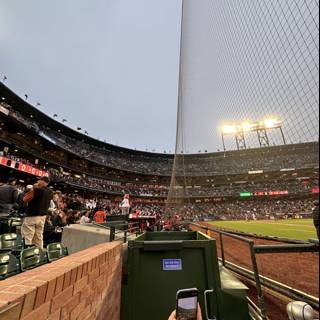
x: 292, y: 229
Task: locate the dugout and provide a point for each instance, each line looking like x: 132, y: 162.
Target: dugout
x: 161, y: 263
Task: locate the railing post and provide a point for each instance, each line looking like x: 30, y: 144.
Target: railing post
x: 258, y: 282
x: 112, y: 233
x: 222, y: 249
x: 125, y: 237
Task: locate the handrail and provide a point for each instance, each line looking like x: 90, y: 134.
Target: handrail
x: 286, y: 248
x: 255, y: 276
x: 254, y: 235
x: 275, y: 285
x: 132, y: 228
x: 231, y: 235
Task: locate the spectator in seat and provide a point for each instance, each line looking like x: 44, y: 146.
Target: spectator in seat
x: 8, y: 196
x: 51, y: 233
x: 73, y: 217
x: 59, y: 219
x: 100, y: 216
x: 85, y: 218
x: 315, y: 213
x: 38, y: 199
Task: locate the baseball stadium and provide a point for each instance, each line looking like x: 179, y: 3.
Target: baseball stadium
x: 225, y: 227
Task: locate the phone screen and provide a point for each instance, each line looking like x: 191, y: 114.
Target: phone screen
x: 187, y: 308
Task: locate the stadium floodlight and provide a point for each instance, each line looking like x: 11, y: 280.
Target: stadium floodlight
x: 247, y: 126
x: 272, y: 123
x: 229, y: 129
x: 239, y: 130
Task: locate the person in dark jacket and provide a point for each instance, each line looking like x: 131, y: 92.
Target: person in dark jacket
x: 38, y: 200
x: 315, y: 214
x: 8, y: 196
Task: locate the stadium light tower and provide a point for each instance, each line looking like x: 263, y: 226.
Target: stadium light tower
x: 239, y: 131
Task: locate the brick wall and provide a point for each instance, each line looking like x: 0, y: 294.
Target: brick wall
x: 85, y: 285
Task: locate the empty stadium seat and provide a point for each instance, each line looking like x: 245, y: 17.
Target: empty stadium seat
x: 13, y: 223
x: 9, y: 265
x: 11, y: 242
x: 56, y: 251
x: 10, y: 224
x: 31, y: 258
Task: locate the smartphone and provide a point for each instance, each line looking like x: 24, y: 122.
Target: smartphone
x: 187, y: 304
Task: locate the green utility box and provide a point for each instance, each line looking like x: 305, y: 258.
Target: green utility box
x: 161, y: 263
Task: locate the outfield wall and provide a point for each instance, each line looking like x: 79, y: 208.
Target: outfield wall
x: 85, y: 285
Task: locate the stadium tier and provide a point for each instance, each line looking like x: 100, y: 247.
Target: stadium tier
x: 63, y: 139
x: 215, y: 184
x: 91, y: 230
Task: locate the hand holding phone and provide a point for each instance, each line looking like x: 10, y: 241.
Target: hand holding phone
x: 187, y: 305
x: 173, y: 314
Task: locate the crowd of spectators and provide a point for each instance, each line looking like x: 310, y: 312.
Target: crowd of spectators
x: 68, y: 208
x: 202, y: 165
x: 73, y: 208
x: 246, y: 209
x: 292, y: 186
x: 210, y: 164
x: 261, y: 188
x: 150, y: 214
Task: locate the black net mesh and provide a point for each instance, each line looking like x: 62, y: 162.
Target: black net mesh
x: 245, y: 61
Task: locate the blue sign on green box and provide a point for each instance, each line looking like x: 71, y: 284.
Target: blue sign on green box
x: 172, y: 264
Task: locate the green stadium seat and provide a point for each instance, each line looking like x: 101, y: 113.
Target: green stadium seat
x: 33, y: 257
x: 13, y: 223
x: 10, y: 224
x: 9, y: 265
x: 56, y: 251
x: 10, y: 242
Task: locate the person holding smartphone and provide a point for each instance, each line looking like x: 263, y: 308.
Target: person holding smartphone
x: 187, y: 306
x: 173, y: 315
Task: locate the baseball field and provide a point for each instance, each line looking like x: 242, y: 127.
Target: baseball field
x: 292, y: 229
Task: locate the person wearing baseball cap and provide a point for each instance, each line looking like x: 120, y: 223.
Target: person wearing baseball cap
x: 38, y: 200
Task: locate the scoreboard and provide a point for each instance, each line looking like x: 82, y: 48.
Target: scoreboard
x: 22, y: 167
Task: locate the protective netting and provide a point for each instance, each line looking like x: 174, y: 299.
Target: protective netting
x: 245, y: 61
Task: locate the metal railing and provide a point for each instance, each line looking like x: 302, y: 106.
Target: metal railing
x: 126, y: 229
x: 255, y: 276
